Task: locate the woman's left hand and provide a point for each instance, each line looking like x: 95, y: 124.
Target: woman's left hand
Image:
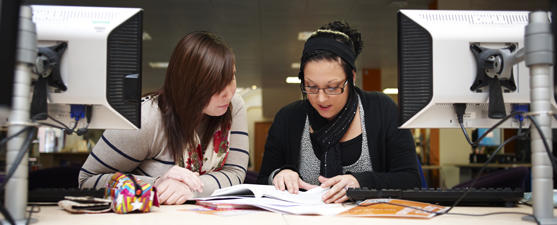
x: 338, y: 184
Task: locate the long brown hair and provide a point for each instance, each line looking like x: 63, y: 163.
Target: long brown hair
x: 200, y: 66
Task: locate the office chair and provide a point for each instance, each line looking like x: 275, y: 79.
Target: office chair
x: 421, y: 172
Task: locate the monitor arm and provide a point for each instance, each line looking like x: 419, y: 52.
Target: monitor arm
x: 47, y: 66
x: 494, y: 69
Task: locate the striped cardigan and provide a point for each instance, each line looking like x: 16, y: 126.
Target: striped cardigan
x: 143, y: 152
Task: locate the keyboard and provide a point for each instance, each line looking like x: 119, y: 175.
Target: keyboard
x: 57, y: 194
x: 474, y: 197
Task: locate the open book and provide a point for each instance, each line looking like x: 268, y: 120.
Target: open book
x: 312, y: 196
x: 269, y: 198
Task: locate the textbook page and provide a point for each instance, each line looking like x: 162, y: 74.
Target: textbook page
x: 279, y: 206
x: 312, y: 196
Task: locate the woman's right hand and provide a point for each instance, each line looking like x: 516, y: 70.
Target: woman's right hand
x: 290, y: 180
x: 183, y: 175
x: 173, y: 192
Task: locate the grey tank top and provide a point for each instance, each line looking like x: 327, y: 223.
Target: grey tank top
x: 310, y: 164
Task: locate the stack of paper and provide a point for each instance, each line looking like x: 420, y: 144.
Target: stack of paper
x: 267, y: 197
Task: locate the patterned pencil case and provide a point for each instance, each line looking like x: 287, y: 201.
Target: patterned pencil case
x: 130, y: 194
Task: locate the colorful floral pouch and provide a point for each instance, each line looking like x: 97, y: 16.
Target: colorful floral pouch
x: 130, y: 194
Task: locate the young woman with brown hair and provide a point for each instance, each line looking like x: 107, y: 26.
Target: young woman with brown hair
x: 193, y: 137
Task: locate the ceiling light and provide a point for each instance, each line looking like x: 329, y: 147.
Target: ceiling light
x: 295, y: 65
x: 293, y: 80
x: 390, y: 91
x: 158, y: 65
x: 146, y: 36
x: 304, y: 35
x: 253, y: 87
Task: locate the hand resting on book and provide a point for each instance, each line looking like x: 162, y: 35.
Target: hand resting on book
x: 338, y: 184
x: 289, y: 180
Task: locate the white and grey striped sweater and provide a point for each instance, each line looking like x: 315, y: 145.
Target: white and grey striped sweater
x: 143, y: 152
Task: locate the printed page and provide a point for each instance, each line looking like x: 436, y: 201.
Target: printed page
x: 257, y: 190
x: 312, y: 196
x: 284, y: 207
x: 394, y: 208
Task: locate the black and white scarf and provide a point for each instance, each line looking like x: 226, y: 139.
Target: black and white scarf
x: 327, y: 134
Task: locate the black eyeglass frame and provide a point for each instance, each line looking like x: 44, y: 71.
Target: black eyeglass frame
x: 303, y: 88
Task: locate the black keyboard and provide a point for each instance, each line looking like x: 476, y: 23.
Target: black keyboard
x: 474, y: 197
x: 57, y: 194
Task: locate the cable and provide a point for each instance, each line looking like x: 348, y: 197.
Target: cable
x: 19, y: 157
x: 515, y: 113
x: 466, y: 135
x: 472, y: 186
x: 31, y: 211
x: 521, y: 133
x: 496, y: 213
x: 7, y: 215
x: 481, y: 171
x: 446, y: 212
x: 13, y: 168
x: 33, y: 119
x: 551, y: 157
x: 460, y: 109
x: 58, y: 121
x: 51, y: 125
x: 6, y: 139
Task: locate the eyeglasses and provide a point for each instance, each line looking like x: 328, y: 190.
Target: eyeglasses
x: 328, y: 90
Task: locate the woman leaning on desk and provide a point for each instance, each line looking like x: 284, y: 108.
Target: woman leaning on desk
x: 193, y: 137
x: 338, y: 136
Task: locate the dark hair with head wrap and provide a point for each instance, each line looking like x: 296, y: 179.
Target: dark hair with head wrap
x: 332, y: 42
x: 341, y: 32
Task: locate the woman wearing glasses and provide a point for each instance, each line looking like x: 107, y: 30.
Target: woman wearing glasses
x: 338, y: 136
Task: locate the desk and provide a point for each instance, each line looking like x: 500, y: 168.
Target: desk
x: 180, y: 215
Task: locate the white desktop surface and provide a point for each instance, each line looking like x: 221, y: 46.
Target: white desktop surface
x: 178, y: 215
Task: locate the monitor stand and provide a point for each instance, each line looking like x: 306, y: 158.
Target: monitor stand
x: 539, y: 58
x: 16, y: 189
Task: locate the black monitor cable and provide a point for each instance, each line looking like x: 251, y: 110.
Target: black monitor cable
x: 546, y: 145
x: 460, y: 109
x: 511, y: 115
x: 21, y: 153
x: 446, y: 212
x: 484, y: 166
x: 472, y: 186
x: 19, y: 157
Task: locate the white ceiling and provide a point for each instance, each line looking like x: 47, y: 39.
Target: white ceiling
x: 263, y: 33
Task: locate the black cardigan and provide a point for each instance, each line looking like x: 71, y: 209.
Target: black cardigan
x: 392, y: 150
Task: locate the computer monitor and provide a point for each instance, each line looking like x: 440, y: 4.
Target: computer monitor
x: 437, y: 67
x: 492, y: 139
x: 101, y: 65
x: 9, y: 14
x: 100, y: 68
